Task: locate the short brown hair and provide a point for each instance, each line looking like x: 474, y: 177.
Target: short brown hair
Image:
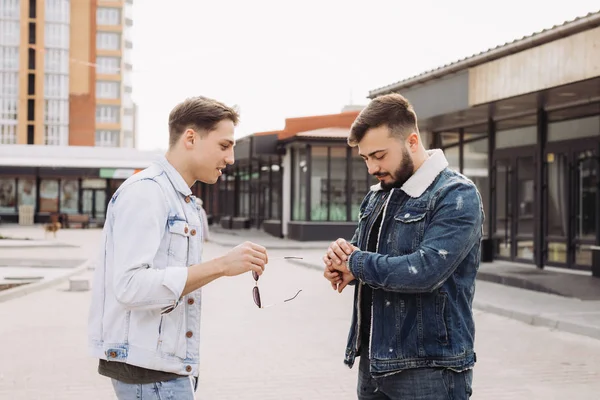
x: 199, y: 113
x: 393, y: 110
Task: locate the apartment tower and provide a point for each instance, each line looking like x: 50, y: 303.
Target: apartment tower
x: 65, y: 73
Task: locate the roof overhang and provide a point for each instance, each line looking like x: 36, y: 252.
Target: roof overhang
x: 568, y: 28
x: 16, y: 155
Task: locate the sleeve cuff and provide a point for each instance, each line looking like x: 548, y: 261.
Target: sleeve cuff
x: 355, y: 264
x: 175, y: 279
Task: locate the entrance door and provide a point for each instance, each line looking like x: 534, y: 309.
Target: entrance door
x: 94, y: 203
x: 572, y: 203
x: 515, y: 203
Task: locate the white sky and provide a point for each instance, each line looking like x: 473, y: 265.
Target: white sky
x: 278, y: 59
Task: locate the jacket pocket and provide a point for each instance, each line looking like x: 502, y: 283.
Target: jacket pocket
x: 441, y: 316
x: 178, y: 240
x: 170, y: 332
x: 408, y: 231
x: 410, y: 217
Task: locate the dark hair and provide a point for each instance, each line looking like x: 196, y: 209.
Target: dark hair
x: 199, y: 113
x: 393, y: 110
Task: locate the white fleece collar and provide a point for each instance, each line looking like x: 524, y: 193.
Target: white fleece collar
x: 416, y: 185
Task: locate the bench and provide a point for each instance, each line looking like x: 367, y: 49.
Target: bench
x: 83, y: 220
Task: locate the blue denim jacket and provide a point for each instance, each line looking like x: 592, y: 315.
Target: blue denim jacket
x: 152, y: 234
x: 423, y: 273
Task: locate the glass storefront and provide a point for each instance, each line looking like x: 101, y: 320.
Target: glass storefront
x: 475, y: 159
x: 339, y: 177
x: 517, y: 205
x: 69, y: 196
x: 572, y: 164
x: 8, y: 195
x: 319, y: 200
x: 327, y: 182
x: 472, y: 149
x: 361, y: 182
x: 300, y: 169
x: 50, y: 195
x: 338, y: 183
x: 27, y: 192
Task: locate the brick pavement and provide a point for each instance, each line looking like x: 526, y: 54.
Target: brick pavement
x: 291, y: 351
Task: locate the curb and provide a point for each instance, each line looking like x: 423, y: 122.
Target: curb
x: 540, y: 320
x: 516, y: 282
x: 23, y: 290
x: 36, y: 246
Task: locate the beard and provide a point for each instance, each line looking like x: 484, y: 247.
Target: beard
x: 404, y: 171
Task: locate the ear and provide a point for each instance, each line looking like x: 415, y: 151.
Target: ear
x: 412, y: 142
x: 189, y: 138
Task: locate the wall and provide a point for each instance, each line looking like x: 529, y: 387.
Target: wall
x: 567, y: 60
x: 82, y: 78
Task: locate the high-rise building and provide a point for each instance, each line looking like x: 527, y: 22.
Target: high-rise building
x: 65, y: 73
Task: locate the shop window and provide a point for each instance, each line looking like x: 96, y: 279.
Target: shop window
x: 475, y: 167
x: 49, y: 195
x: 69, y: 198
x: 299, y: 171
x: 27, y: 192
x: 339, y: 176
x: 8, y: 192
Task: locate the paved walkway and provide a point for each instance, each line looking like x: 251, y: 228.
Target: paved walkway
x: 291, y: 351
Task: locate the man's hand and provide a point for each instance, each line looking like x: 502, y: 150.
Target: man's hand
x: 338, y: 253
x: 336, y: 268
x: 339, y: 280
x: 245, y: 257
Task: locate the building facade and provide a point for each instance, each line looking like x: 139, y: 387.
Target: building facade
x: 303, y: 182
x: 523, y: 122
x: 64, y: 179
x: 72, y: 179
x: 65, y: 73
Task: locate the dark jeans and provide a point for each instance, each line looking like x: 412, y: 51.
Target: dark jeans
x: 414, y: 384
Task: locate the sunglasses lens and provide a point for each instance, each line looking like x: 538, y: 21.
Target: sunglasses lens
x: 255, y: 275
x: 256, y: 296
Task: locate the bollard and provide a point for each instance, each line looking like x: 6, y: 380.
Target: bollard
x: 79, y: 285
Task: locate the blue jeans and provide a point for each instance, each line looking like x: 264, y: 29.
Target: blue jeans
x: 175, y: 389
x: 414, y: 384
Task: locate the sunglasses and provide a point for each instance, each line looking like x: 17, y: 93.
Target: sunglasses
x: 256, y: 291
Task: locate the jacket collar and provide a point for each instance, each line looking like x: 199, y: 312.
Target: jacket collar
x: 416, y: 185
x: 174, y: 176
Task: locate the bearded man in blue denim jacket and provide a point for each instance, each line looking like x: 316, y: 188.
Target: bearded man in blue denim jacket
x: 413, y: 260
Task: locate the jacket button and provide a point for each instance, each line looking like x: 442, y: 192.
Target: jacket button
x: 387, y: 303
x: 187, y: 199
x: 113, y: 354
x: 406, y: 215
x: 185, y: 230
x: 188, y: 368
x: 189, y: 334
x: 190, y: 301
x: 193, y: 232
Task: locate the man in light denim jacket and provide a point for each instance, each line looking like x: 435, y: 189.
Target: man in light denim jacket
x: 413, y: 260
x: 144, y: 322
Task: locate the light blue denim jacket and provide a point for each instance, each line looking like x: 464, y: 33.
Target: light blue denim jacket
x: 423, y: 272
x: 151, y: 235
